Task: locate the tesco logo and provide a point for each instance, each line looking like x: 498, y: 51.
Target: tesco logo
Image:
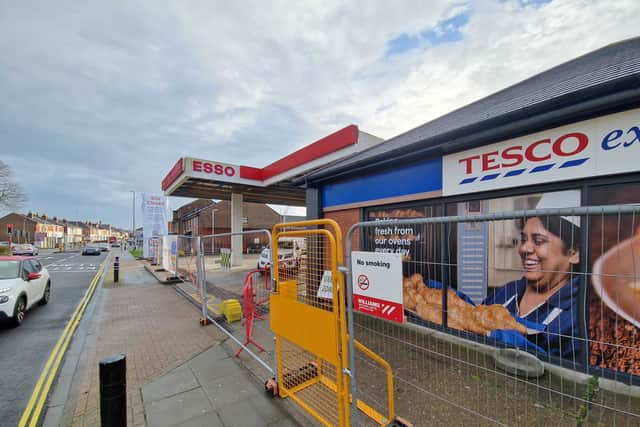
x: 566, y: 145
x: 214, y: 168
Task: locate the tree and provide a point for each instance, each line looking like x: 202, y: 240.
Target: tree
x: 11, y: 193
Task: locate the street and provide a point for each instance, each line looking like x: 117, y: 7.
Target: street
x: 25, y: 349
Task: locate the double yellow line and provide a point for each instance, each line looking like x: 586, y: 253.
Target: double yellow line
x: 39, y: 396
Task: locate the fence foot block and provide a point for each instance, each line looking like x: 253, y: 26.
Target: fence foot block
x: 271, y: 387
x: 232, y: 310
x: 401, y: 422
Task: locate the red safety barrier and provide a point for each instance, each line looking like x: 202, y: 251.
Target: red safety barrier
x: 249, y: 310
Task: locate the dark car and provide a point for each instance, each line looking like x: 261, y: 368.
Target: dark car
x: 91, y: 250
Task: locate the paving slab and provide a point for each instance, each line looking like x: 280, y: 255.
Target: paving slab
x: 228, y: 390
x: 176, y: 381
x: 256, y: 411
x: 208, y: 420
x: 178, y: 409
x: 225, y: 394
x: 210, y: 370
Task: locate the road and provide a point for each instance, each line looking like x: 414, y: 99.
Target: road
x: 25, y: 349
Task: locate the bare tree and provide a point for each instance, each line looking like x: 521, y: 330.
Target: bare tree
x: 12, y: 195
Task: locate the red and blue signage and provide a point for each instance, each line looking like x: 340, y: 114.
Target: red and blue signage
x: 603, y: 146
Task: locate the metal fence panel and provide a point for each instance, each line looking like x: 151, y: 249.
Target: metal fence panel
x: 187, y: 259
x: 512, y: 318
x: 306, y: 320
x: 236, y: 297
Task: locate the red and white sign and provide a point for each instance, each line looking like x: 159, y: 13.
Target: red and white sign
x: 377, y: 287
x: 602, y: 146
x: 207, y: 169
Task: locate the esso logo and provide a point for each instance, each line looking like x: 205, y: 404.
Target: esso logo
x: 213, y: 168
x: 542, y: 150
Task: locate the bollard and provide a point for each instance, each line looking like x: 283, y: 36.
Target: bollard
x: 116, y: 269
x: 113, y: 391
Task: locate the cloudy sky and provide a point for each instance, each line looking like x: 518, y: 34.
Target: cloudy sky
x: 102, y: 97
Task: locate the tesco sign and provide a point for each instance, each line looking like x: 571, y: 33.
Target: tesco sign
x: 603, y: 146
x: 539, y: 151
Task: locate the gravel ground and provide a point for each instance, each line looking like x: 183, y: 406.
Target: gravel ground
x: 440, y: 383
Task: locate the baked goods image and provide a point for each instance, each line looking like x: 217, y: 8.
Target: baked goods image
x: 461, y: 315
x: 616, y: 280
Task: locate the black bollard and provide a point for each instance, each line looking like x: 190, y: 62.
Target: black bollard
x: 113, y: 391
x: 116, y: 270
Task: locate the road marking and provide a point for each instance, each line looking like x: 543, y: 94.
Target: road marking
x: 50, y: 370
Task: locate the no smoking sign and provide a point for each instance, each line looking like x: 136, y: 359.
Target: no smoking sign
x: 377, y: 287
x: 363, y: 282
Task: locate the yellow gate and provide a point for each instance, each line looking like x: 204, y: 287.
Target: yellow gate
x: 309, y: 321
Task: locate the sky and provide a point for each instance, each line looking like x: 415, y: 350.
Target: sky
x: 101, y: 98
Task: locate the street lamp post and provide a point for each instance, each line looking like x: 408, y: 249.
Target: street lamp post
x: 135, y: 240
x: 213, y: 230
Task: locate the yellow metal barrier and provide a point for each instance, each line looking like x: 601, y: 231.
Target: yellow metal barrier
x: 309, y: 322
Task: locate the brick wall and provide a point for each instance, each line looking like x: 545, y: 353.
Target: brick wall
x: 23, y: 228
x: 346, y: 218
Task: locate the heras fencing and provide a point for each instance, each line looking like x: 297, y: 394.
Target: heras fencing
x: 308, y: 318
x: 234, y: 293
x: 516, y: 318
x: 187, y: 258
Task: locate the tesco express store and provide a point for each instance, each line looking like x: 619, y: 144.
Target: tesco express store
x: 567, y: 137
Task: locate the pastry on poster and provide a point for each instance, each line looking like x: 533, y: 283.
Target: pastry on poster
x: 426, y: 302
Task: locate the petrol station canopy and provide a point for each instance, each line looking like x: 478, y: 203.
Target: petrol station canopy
x: 209, y: 179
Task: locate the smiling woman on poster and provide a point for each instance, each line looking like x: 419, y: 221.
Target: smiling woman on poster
x: 547, y: 293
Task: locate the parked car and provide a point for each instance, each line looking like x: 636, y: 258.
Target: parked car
x: 104, y: 247
x: 23, y: 283
x: 286, y: 259
x: 91, y: 250
x: 24, y: 249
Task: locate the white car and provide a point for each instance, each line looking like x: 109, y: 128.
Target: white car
x: 286, y: 259
x: 24, y: 249
x: 23, y: 283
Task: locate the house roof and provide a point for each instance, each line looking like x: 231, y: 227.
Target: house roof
x: 25, y: 217
x: 603, y: 81
x: 259, y: 215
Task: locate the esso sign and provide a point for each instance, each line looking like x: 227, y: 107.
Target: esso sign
x: 543, y: 150
x: 213, y: 168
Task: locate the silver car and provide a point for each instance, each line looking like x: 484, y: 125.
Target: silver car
x: 25, y: 249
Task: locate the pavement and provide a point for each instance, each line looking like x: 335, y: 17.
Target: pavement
x: 178, y: 372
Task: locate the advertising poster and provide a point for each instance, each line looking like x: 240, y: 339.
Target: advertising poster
x: 522, y: 276
x: 155, y: 213
x: 614, y: 300
x: 412, y: 242
x: 169, y: 253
